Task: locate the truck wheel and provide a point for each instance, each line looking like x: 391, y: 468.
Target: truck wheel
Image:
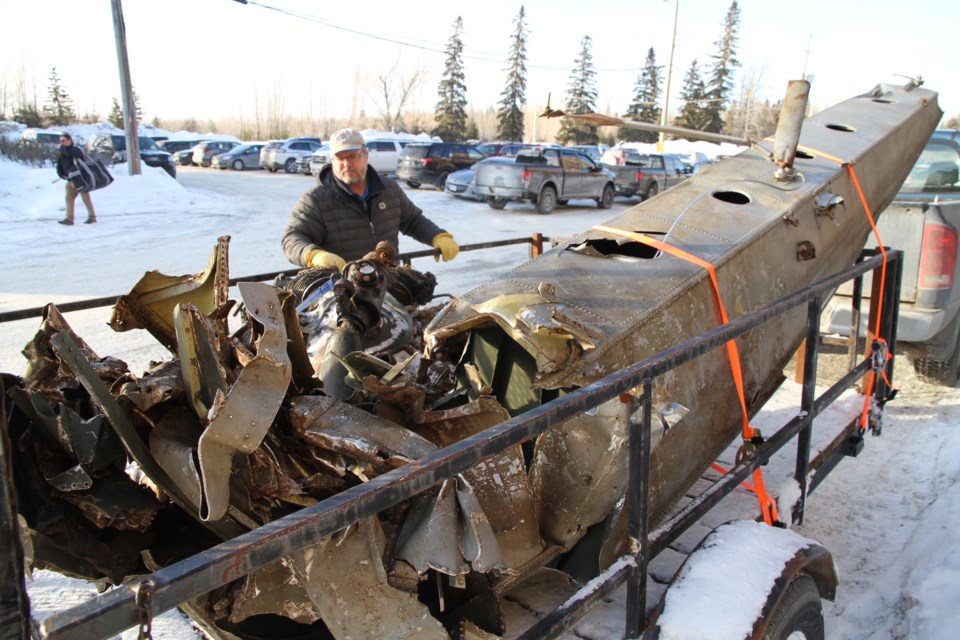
x: 605, y: 201
x: 547, y: 201
x: 652, y: 191
x: 496, y: 203
x: 799, y: 616
x: 413, y: 184
x: 441, y: 180
x: 940, y: 372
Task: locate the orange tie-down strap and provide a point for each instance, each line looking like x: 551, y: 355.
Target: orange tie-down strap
x: 768, y: 506
x: 883, y: 351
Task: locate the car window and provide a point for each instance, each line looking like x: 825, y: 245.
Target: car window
x: 570, y: 160
x: 415, y: 151
x: 473, y: 154
x: 936, y: 170
x: 313, y: 146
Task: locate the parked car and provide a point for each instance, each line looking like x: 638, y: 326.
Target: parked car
x: 592, y: 151
x: 319, y: 158
x: 43, y: 144
x: 176, y: 146
x: 462, y: 183
x: 283, y: 154
x: 383, y: 156
x: 111, y: 148
x: 432, y: 162
x: 303, y: 164
x: 244, y: 156
x: 493, y: 148
x: 185, y: 158
x: 203, y: 153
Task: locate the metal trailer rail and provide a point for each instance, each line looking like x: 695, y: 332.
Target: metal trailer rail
x: 535, y: 241
x: 124, y: 607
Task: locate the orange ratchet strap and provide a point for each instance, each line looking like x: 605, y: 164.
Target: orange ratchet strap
x: 883, y: 350
x: 767, y: 505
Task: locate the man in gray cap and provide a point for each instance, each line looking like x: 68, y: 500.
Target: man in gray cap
x: 352, y: 209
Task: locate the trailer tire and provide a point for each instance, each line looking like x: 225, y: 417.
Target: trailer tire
x: 945, y: 373
x: 547, y: 201
x: 799, y: 616
x: 496, y: 202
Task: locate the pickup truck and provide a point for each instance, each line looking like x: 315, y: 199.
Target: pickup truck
x: 546, y: 177
x: 922, y: 221
x: 643, y: 174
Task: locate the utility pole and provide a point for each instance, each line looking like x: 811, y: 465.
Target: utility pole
x: 126, y: 90
x: 666, y: 95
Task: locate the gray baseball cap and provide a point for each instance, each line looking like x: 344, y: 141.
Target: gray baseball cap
x: 346, y: 140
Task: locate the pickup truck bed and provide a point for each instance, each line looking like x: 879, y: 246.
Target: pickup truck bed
x: 644, y: 175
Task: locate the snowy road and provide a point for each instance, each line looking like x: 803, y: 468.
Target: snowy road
x: 888, y: 516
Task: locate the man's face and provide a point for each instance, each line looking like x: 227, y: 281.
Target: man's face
x: 350, y: 166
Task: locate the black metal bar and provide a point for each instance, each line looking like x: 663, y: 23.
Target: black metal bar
x: 116, y: 610
x: 579, y: 604
x: 856, y: 302
x: 638, y: 493
x: 93, y: 303
x: 14, y: 603
x: 807, y: 396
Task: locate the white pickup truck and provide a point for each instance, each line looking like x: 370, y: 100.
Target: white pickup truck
x: 922, y: 221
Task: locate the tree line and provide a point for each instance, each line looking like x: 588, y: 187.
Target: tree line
x: 706, y: 97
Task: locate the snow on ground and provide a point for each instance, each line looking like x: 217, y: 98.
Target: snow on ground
x: 888, y: 516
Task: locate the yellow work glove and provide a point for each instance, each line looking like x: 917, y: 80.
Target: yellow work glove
x: 447, y: 245
x: 321, y: 258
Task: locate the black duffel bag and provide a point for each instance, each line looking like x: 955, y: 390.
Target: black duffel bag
x: 89, y: 174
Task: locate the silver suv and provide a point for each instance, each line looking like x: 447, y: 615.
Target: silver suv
x: 283, y: 154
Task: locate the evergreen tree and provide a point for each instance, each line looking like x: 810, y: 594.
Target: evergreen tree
x: 720, y: 86
x: 29, y: 115
x: 451, y: 113
x: 58, y: 110
x: 693, y: 114
x: 473, y: 131
x: 116, y: 111
x: 645, y: 107
x: 581, y: 98
x: 513, y: 98
x: 116, y: 115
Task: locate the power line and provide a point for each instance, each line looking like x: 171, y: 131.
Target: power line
x: 480, y: 56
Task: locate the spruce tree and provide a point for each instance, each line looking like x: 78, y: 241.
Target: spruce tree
x: 450, y: 113
x: 58, y: 110
x: 720, y: 86
x: 581, y: 98
x: 645, y: 107
x: 116, y: 115
x: 29, y: 115
x: 513, y: 99
x: 693, y: 114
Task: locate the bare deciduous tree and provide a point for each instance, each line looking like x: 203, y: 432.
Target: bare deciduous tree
x: 391, y: 93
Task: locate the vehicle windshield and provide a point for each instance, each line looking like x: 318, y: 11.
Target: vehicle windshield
x: 145, y: 143
x: 936, y: 170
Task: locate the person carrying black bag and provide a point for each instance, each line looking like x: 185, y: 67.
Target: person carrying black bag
x: 66, y: 164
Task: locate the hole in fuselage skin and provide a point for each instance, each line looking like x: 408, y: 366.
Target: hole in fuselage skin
x: 841, y: 127
x: 609, y: 247
x: 804, y: 155
x: 882, y: 101
x: 733, y: 197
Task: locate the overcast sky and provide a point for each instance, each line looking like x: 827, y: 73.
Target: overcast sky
x: 214, y: 58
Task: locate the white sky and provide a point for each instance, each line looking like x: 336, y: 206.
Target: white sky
x: 211, y: 58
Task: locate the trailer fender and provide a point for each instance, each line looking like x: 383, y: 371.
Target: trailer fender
x: 747, y: 580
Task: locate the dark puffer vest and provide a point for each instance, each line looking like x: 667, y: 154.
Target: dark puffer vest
x: 332, y: 218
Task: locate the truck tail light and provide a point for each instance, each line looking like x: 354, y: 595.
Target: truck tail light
x: 425, y: 162
x: 639, y: 177
x: 525, y: 176
x: 938, y: 258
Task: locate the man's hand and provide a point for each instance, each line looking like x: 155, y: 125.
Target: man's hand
x: 447, y: 245
x: 321, y: 258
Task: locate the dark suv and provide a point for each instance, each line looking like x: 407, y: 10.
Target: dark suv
x: 433, y: 162
x: 111, y: 148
